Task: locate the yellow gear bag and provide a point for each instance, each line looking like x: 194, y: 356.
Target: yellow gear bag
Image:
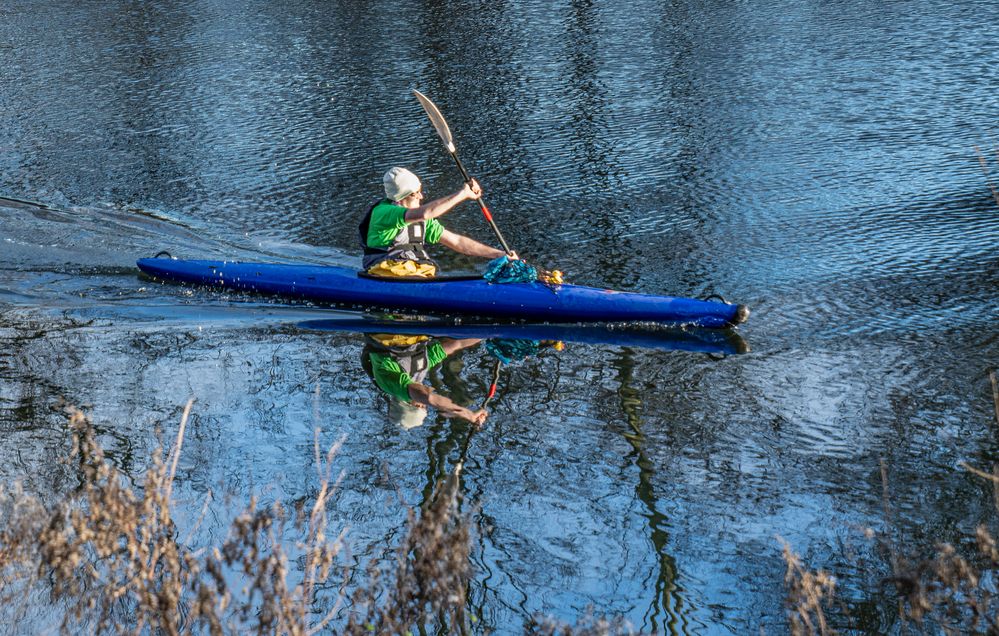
x: 396, y: 269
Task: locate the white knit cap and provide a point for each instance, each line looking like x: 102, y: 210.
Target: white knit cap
x: 400, y: 183
x: 406, y: 415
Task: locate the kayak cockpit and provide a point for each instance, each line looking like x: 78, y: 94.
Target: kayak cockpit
x: 419, y: 279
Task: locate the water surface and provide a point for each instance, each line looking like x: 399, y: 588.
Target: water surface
x: 815, y: 161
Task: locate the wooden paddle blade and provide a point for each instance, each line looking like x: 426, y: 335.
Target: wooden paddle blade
x: 437, y: 120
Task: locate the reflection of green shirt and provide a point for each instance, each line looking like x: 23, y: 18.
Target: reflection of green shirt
x: 390, y: 377
x: 388, y: 219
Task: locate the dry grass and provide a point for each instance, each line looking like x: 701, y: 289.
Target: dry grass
x: 949, y: 593
x: 111, y: 559
x: 429, y: 579
x: 809, y: 595
x: 952, y: 593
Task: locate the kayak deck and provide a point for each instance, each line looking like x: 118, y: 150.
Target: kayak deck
x: 464, y: 296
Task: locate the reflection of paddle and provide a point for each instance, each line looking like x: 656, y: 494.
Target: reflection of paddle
x: 445, y: 134
x: 474, y: 427
x: 492, y: 387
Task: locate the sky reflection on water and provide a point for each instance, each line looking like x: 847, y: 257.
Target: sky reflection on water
x: 815, y: 162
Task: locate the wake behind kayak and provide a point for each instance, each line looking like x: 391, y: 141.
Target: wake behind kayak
x: 464, y: 296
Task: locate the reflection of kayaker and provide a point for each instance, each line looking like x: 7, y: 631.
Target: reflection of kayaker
x: 399, y: 366
x: 397, y: 229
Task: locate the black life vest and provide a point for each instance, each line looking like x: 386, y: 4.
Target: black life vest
x: 412, y: 359
x: 409, y: 244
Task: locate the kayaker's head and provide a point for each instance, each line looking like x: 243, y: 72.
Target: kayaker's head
x: 405, y: 414
x: 402, y: 187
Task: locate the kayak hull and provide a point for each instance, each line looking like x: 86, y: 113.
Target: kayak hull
x: 713, y: 341
x: 474, y: 297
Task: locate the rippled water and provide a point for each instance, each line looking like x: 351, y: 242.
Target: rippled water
x: 816, y: 161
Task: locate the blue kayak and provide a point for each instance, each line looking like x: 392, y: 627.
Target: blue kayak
x: 449, y: 296
x: 714, y: 341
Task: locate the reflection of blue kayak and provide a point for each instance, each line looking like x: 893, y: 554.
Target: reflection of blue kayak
x: 715, y: 341
x: 466, y: 296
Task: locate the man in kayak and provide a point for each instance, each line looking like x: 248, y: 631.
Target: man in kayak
x: 397, y: 229
x: 399, y: 364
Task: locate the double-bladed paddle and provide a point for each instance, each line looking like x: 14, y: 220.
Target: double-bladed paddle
x: 445, y: 134
x: 474, y: 427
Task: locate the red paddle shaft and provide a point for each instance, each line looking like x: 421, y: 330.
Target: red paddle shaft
x: 492, y: 387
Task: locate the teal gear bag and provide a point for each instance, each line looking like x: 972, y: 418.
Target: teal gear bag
x: 504, y: 270
x: 506, y: 350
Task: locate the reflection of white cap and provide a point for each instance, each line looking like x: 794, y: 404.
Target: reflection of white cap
x: 406, y: 415
x: 400, y: 183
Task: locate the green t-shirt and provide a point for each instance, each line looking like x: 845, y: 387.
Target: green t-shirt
x: 390, y: 377
x: 388, y: 219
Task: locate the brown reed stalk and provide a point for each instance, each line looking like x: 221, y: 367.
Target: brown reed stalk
x: 995, y: 393
x: 808, y: 595
x: 319, y: 562
x: 985, y: 170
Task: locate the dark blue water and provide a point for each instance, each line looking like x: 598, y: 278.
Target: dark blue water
x: 816, y: 161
